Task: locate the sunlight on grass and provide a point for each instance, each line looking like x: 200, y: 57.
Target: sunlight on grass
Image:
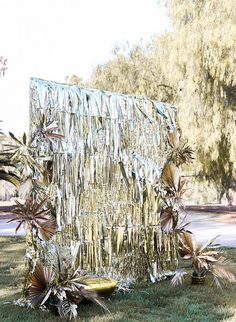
x: 154, y: 303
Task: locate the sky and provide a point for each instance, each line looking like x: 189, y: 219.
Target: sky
x: 51, y: 39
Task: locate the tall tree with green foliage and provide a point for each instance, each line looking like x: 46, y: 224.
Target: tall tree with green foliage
x: 204, y: 59
x: 194, y: 66
x: 3, y: 65
x: 133, y: 70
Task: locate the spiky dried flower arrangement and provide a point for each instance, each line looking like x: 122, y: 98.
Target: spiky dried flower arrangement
x: 35, y: 217
x: 62, y: 288
x: 21, y: 153
x: 174, y: 185
x: 47, y: 130
x: 181, y: 152
x: 205, y: 260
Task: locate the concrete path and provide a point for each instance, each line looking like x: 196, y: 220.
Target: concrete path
x: 203, y: 225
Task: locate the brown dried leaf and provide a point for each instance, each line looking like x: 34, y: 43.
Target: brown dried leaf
x: 42, y: 280
x: 171, y: 176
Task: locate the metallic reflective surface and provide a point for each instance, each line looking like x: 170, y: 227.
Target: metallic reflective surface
x: 106, y: 177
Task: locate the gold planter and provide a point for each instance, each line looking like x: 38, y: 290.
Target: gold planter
x: 100, y: 285
x: 198, y: 280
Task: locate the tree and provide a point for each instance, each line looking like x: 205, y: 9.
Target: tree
x: 3, y: 65
x: 133, y: 70
x: 204, y: 60
x: 193, y: 66
x: 74, y: 80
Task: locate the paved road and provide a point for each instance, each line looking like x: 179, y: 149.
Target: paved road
x: 206, y: 226
x: 203, y: 225
x: 8, y: 229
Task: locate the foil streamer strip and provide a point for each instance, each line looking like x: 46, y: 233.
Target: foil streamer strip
x: 106, y: 177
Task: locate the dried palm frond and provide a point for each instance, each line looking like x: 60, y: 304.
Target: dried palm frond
x: 187, y: 245
x: 171, y: 175
x: 25, y: 188
x: 76, y: 286
x: 222, y: 270
x: 93, y: 297
x: 62, y: 290
x: 201, y: 257
x: 67, y: 309
x: 207, y: 244
x: 183, y: 154
x: 204, y: 260
x: 181, y: 226
x: 41, y: 286
x: 77, y: 291
x: 34, y: 215
x: 174, y: 138
x: 75, y: 283
x: 47, y: 229
x: 6, y: 173
x: 178, y: 277
x: 46, y: 130
x: 168, y: 219
x: 175, y: 187
x: 9, y: 177
x: 21, y: 153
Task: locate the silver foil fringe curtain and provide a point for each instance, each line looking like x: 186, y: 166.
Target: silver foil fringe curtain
x: 105, y: 184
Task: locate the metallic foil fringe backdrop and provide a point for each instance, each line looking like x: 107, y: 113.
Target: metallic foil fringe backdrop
x: 105, y: 184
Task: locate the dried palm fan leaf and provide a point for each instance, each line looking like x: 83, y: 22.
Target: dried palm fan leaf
x: 6, y: 169
x: 204, y: 260
x: 34, y: 215
x: 46, y: 230
x: 223, y: 270
x: 183, y: 154
x: 174, y: 185
x: 25, y: 188
x: 202, y: 257
x: 93, y: 297
x: 171, y: 176
x: 67, y: 309
x: 174, y: 138
x: 41, y: 286
x: 46, y: 130
x: 207, y: 244
x: 168, y: 219
x: 22, y: 153
x: 178, y: 277
x: 62, y: 289
x: 181, y: 227
x: 78, y: 289
x: 9, y: 177
x: 187, y: 244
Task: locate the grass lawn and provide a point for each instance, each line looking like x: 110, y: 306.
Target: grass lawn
x: 158, y: 302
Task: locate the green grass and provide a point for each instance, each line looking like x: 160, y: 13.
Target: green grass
x: 157, y: 303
